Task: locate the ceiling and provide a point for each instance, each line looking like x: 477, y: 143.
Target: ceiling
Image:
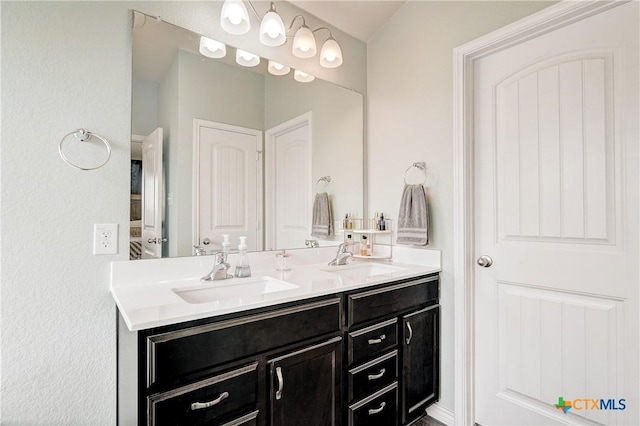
x: 358, y: 18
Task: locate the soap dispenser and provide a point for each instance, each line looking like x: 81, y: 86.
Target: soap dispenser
x: 242, y: 266
x: 226, y: 244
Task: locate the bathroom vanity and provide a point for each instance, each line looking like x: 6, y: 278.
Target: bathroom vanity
x: 353, y: 345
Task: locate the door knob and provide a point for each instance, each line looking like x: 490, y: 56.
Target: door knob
x: 485, y: 261
x: 156, y: 240
x: 206, y: 241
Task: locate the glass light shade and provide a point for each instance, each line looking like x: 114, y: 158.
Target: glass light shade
x: 278, y: 69
x: 303, y: 77
x: 304, y: 43
x: 212, y: 48
x: 272, y: 32
x: 331, y: 55
x: 246, y: 59
x: 234, y: 17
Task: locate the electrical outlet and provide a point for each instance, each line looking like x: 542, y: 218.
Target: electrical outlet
x: 105, y: 238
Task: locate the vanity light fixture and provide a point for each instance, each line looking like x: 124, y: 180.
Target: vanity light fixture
x: 278, y: 69
x: 272, y: 32
x: 246, y: 59
x: 302, y: 77
x: 212, y: 48
x: 234, y: 17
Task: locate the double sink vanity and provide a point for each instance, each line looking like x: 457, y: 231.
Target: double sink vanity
x: 356, y: 344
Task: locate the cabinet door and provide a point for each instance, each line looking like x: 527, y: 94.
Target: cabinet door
x: 305, y: 386
x: 421, y: 361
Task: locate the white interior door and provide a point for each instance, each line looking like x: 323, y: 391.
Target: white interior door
x: 152, y: 195
x: 556, y: 196
x: 289, y: 188
x: 228, y: 185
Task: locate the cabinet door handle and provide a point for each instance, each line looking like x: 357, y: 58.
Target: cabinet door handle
x: 378, y: 340
x: 410, y: 332
x: 218, y: 400
x: 377, y: 376
x: 377, y: 410
x: 280, y: 383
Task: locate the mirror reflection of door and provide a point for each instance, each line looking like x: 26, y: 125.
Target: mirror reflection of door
x: 289, y: 189
x: 228, y: 179
x: 152, y: 195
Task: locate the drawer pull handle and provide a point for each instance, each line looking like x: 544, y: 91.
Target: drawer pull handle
x: 410, y: 332
x: 218, y: 400
x: 378, y: 340
x: 280, y: 383
x: 377, y: 376
x: 377, y: 410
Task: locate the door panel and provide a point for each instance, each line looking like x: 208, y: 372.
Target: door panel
x: 152, y: 195
x: 556, y: 193
x: 229, y: 184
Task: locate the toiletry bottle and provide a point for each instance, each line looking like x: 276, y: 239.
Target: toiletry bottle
x: 349, y: 222
x: 364, y: 246
x: 226, y: 245
x: 345, y: 222
x: 349, y: 243
x: 383, y: 225
x: 242, y: 267
x: 376, y: 222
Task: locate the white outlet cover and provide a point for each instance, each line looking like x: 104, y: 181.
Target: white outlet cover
x: 105, y: 238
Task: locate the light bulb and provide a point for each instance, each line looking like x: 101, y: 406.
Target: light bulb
x: 331, y: 55
x: 272, y: 32
x: 304, y: 43
x: 246, y: 59
x: 302, y: 76
x: 234, y: 17
x: 212, y: 48
x: 278, y: 69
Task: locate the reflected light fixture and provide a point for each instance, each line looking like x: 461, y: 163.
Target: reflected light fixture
x: 246, y: 59
x: 272, y: 32
x: 212, y: 48
x: 278, y: 69
x: 303, y: 77
x: 234, y: 17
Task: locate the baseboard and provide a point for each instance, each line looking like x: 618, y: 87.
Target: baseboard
x: 441, y: 414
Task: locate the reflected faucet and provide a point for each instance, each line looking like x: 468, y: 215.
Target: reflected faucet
x: 343, y: 255
x: 220, y: 268
x: 311, y: 243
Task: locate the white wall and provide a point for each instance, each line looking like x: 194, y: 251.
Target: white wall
x: 67, y: 65
x: 410, y: 92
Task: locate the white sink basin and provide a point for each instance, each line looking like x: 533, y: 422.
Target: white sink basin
x: 235, y: 290
x: 364, y: 271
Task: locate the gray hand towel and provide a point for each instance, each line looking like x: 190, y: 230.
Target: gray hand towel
x: 322, y: 221
x: 413, y: 218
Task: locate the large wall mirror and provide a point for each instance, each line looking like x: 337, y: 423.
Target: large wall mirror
x: 219, y: 148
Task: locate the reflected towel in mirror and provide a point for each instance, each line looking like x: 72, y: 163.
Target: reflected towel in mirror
x: 321, y: 223
x: 413, y: 218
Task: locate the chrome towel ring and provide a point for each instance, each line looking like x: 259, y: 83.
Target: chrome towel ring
x: 422, y: 166
x: 83, y: 135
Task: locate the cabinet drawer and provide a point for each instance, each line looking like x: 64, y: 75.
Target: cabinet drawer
x: 372, y: 341
x: 388, y: 301
x: 380, y: 409
x: 212, y: 399
x: 372, y: 376
x: 188, y: 354
x: 250, y: 419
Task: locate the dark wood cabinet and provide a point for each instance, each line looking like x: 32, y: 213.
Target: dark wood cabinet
x: 305, y: 386
x: 364, y: 357
x: 421, y: 361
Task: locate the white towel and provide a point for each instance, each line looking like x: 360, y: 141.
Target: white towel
x: 322, y: 221
x: 413, y: 219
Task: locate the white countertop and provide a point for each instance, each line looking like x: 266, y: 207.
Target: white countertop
x: 152, y: 293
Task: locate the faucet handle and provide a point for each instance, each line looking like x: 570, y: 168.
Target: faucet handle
x: 221, y: 257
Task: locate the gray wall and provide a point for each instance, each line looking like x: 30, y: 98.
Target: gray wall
x: 144, y: 107
x: 67, y: 65
x: 410, y: 116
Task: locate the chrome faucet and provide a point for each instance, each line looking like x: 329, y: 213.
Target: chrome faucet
x: 343, y: 254
x: 199, y: 250
x: 311, y: 243
x: 220, y: 268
